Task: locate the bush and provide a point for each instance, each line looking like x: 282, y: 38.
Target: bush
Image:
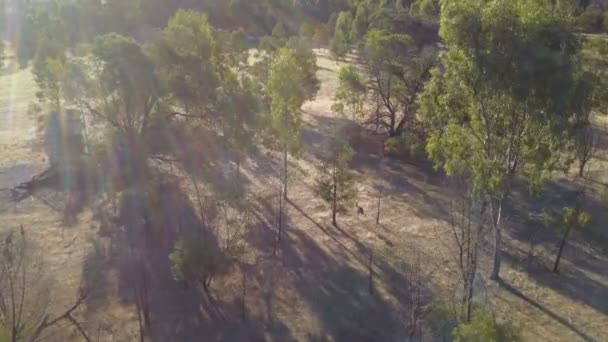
x: 591, y: 20
x: 407, y: 145
x: 196, y: 260
x: 485, y: 328
x: 444, y: 320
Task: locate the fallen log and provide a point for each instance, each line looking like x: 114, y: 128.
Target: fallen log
x: 46, y: 178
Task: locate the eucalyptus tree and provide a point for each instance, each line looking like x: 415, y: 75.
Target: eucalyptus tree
x: 501, y: 104
x: 393, y: 75
x: 336, y: 183
x: 286, y: 96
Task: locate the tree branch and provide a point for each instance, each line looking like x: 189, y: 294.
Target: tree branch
x: 97, y: 113
x: 67, y: 315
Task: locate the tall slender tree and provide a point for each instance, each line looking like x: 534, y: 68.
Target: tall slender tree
x: 286, y: 94
x: 336, y: 183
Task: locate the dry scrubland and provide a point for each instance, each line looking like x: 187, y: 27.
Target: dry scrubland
x: 316, y: 288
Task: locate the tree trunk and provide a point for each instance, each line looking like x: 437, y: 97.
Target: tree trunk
x: 581, y: 167
x: 333, y: 213
x: 85, y: 133
x: 285, y: 172
x: 334, y: 207
x: 244, y: 296
x: 378, y: 208
x: 238, y: 169
x: 280, y: 216
x: 470, y: 298
x: 497, y: 244
x: 276, y: 237
x: 144, y: 300
x: 199, y: 200
x: 140, y: 322
x: 371, y: 273
x: 561, y: 249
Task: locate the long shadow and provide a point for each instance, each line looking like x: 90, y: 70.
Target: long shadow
x: 338, y: 293
x: 146, y: 227
x: 546, y: 311
x: 571, y: 283
x: 334, y: 282
x: 524, y: 222
x: 361, y: 249
x: 401, y: 176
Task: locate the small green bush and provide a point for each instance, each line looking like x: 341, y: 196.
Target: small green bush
x: 407, y: 145
x: 484, y: 327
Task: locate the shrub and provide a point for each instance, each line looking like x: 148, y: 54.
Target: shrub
x: 485, y: 328
x: 406, y: 145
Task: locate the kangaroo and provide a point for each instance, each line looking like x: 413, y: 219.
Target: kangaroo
x: 360, y: 210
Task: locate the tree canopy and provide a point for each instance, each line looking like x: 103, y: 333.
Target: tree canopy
x: 499, y: 107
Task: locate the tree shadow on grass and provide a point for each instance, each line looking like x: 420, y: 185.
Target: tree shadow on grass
x: 329, y: 273
x: 570, y: 282
x: 337, y: 285
x: 147, y: 225
x: 338, y: 294
x: 553, y: 315
x: 525, y: 223
x: 416, y: 179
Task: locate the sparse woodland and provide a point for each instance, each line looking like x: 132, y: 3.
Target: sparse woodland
x: 340, y: 170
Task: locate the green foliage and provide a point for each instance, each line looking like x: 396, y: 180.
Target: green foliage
x: 571, y: 217
x: 502, y: 106
x: 238, y: 105
x: 279, y: 31
x: 591, y: 20
x: 287, y: 94
x: 41, y: 23
x: 344, y: 24
x: 307, y: 60
x: 428, y: 9
x: 50, y: 70
x: 407, y: 145
x: 127, y: 80
x: 482, y: 119
x: 593, y: 74
x: 195, y: 259
x: 340, y: 44
x: 396, y: 69
x: 351, y: 94
x: 485, y: 328
x: 308, y: 29
x: 185, y: 59
x: 336, y: 183
x: 360, y: 23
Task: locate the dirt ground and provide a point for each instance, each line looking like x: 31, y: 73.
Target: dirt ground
x: 316, y: 287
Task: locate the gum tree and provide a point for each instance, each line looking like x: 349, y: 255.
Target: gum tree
x: 500, y: 106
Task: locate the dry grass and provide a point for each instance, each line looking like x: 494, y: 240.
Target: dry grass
x: 315, y: 289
